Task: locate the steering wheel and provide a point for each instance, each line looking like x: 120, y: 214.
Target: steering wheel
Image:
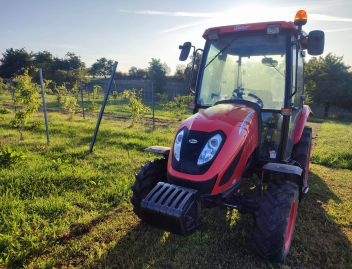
x: 239, y: 93
x: 259, y: 101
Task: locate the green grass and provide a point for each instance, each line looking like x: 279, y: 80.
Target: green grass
x: 334, y: 145
x: 61, y: 186
x: 61, y: 207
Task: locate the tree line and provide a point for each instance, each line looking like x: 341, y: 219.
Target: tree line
x: 327, y: 79
x: 71, y: 69
x: 328, y: 82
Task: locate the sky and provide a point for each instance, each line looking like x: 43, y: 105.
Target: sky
x: 132, y: 32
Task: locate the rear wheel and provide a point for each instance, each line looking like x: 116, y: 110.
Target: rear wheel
x: 275, y: 220
x: 146, y: 179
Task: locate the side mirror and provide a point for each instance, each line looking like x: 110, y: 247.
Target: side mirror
x: 315, y: 44
x: 185, y: 49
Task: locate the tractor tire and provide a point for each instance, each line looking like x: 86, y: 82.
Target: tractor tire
x: 301, y: 154
x: 275, y: 220
x: 150, y: 174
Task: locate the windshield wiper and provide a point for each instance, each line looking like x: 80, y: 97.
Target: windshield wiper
x: 225, y: 48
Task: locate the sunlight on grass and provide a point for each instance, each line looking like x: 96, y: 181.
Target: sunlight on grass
x: 62, y: 207
x: 334, y: 147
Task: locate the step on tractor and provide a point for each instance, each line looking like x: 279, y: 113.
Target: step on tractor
x: 246, y: 146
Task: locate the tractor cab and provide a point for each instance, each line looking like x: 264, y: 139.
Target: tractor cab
x: 260, y: 63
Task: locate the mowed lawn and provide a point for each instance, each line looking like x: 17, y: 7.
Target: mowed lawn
x: 61, y: 207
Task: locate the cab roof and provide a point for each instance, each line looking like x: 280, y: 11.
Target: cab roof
x: 249, y: 27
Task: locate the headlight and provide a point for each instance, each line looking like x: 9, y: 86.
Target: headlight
x: 210, y: 149
x: 177, y: 145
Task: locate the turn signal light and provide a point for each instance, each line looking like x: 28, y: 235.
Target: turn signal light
x: 286, y: 111
x: 301, y: 18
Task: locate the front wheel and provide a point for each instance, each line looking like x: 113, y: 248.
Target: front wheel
x: 275, y: 220
x: 146, y: 179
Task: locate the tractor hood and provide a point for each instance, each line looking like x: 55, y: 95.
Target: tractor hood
x: 230, y: 123
x: 225, y: 117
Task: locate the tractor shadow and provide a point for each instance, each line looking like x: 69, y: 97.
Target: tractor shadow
x: 225, y: 241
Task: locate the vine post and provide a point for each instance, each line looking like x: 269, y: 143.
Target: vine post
x: 101, y: 113
x: 153, y: 105
x: 82, y: 100
x: 44, y: 106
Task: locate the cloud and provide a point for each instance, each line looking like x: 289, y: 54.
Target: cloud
x: 338, y: 30
x: 322, y: 17
x: 171, y: 13
x: 184, y: 26
x: 225, y: 17
x: 247, y: 13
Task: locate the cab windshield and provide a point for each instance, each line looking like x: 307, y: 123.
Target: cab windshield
x: 248, y: 67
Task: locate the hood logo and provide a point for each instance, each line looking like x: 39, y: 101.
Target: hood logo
x: 193, y: 141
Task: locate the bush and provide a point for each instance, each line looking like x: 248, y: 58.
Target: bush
x: 180, y: 105
x: 69, y: 104
x: 61, y: 91
x: 97, y: 89
x: 9, y: 157
x: 35, y: 125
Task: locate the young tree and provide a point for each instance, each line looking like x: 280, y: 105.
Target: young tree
x: 97, y: 89
x: 135, y: 104
x: 26, y: 96
x: 61, y: 91
x: 328, y: 82
x: 69, y: 104
x: 3, y: 86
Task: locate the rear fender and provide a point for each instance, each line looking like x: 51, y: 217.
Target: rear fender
x: 301, y: 120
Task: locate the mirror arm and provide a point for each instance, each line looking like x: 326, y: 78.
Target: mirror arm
x: 192, y: 69
x: 191, y: 73
x: 297, y: 42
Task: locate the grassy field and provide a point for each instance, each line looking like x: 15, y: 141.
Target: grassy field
x: 61, y: 207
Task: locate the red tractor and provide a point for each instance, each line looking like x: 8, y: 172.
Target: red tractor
x: 248, y: 127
